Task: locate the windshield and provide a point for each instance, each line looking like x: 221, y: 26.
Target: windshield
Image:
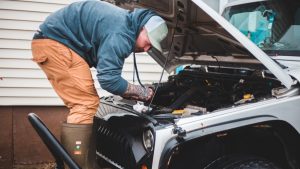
x: 274, y: 26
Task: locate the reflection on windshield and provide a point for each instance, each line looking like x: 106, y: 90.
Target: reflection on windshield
x: 274, y: 26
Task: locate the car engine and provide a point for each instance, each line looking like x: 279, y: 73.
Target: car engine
x: 200, y: 90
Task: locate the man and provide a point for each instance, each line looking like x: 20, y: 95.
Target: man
x: 92, y: 34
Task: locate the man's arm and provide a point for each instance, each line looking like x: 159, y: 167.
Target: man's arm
x: 138, y: 92
x: 110, y: 63
x: 111, y: 55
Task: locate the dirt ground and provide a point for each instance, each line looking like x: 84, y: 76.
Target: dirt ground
x: 35, y: 166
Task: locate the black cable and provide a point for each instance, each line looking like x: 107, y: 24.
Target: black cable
x: 133, y: 74
x: 136, y: 70
x: 217, y: 62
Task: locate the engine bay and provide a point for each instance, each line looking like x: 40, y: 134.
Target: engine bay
x: 200, y: 90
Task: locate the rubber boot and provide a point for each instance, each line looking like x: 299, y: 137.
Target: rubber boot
x: 78, y: 140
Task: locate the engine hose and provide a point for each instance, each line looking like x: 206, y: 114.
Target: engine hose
x: 164, y: 87
x: 183, y: 98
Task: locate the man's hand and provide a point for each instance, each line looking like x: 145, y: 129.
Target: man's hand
x: 136, y: 92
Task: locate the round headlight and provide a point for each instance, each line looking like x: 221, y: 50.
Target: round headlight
x: 148, y: 140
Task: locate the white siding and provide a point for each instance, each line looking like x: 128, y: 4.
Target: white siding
x: 21, y: 80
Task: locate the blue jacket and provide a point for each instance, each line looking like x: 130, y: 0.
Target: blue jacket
x: 101, y: 33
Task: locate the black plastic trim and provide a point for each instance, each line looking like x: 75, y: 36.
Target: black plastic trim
x: 53, y: 145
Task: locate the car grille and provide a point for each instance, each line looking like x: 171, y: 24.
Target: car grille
x: 113, y: 146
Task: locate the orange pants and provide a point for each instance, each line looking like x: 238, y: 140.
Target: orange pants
x: 70, y: 77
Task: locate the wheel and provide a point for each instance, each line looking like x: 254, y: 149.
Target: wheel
x: 241, y: 162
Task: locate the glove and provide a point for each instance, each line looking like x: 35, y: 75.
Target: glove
x: 137, y: 92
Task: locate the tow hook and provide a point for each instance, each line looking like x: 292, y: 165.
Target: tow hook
x: 180, y: 132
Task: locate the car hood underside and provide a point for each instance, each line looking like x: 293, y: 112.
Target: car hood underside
x: 199, y: 35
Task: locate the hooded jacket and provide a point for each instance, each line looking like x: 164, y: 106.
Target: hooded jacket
x: 101, y: 33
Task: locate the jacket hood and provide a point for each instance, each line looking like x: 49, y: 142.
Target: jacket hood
x: 139, y: 18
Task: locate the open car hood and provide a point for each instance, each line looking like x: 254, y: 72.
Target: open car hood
x: 199, y: 35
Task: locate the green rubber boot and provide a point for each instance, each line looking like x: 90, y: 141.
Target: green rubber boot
x: 78, y: 140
